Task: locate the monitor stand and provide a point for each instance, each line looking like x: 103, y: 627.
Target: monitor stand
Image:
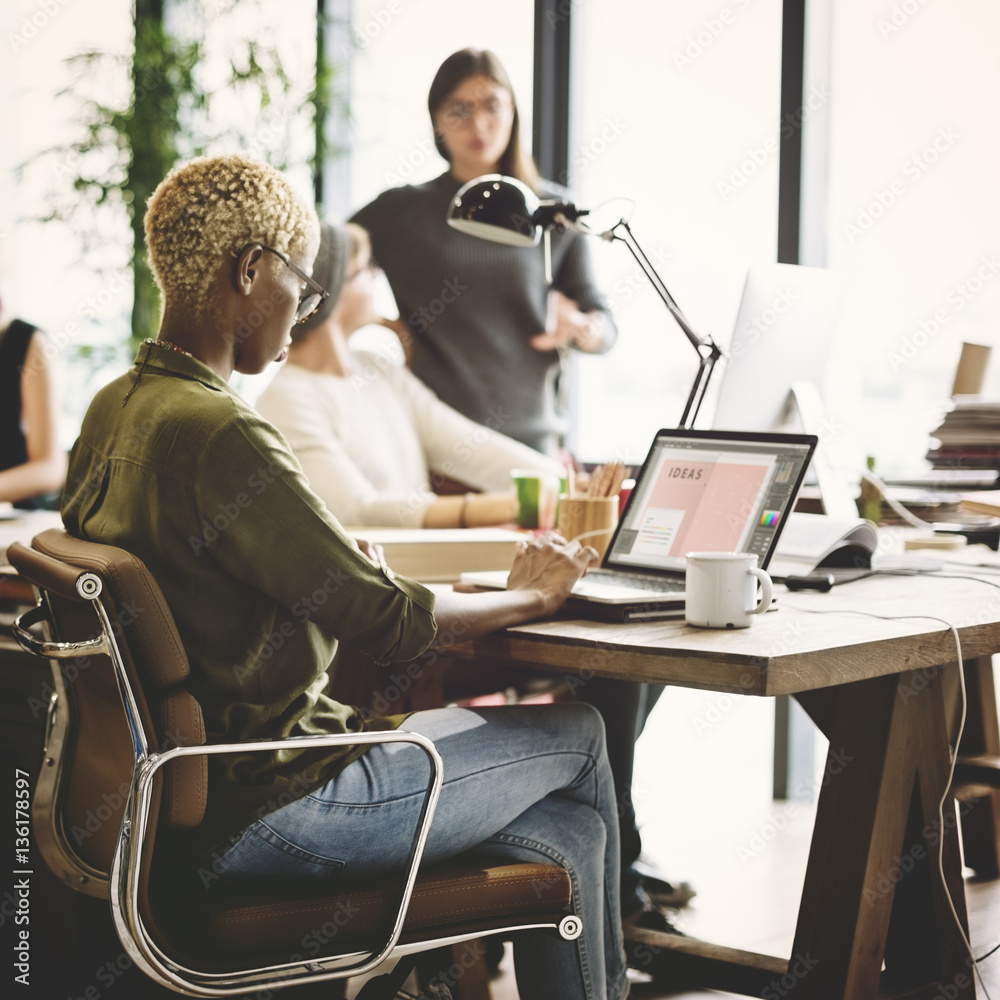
x: 794, y: 732
x: 804, y: 402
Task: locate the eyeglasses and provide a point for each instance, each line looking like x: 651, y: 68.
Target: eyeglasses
x: 459, y: 114
x: 311, y: 299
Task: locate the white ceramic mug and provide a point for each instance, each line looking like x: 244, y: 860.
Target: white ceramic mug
x: 721, y: 589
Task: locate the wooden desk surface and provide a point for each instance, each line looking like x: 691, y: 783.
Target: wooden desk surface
x: 878, y: 800
x: 20, y: 526
x: 812, y: 641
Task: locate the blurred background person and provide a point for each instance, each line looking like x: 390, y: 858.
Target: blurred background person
x: 32, y: 463
x: 478, y: 322
x: 371, y: 437
x: 482, y: 328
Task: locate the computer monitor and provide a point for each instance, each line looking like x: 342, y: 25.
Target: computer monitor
x: 783, y: 334
x: 773, y: 372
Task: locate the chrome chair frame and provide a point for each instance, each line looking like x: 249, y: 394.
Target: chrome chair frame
x: 122, y: 883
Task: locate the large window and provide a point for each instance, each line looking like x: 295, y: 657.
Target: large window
x: 914, y: 216
x: 683, y: 119
x: 676, y: 107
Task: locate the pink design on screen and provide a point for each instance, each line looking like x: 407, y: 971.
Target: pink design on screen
x: 718, y: 499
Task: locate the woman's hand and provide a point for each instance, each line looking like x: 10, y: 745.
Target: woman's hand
x: 549, y: 565
x: 572, y: 327
x: 544, y: 570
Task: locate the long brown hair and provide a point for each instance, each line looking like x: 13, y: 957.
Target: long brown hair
x: 515, y: 161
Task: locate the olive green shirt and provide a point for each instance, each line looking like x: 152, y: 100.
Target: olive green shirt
x: 261, y: 578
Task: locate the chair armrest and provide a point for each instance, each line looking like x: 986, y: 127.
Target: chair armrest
x: 50, y: 649
x: 126, y: 866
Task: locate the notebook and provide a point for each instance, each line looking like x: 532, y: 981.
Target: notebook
x: 698, y: 490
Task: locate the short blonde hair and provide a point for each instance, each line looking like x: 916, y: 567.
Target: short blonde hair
x: 209, y: 209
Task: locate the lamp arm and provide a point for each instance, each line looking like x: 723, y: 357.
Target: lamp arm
x: 655, y: 280
x: 699, y: 388
x: 707, y: 349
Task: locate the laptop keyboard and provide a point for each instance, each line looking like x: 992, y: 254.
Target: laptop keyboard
x: 636, y: 580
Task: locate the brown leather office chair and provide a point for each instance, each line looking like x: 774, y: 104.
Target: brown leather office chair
x: 124, y: 775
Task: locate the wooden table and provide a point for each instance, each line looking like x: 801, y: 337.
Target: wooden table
x: 880, y: 691
x: 20, y: 526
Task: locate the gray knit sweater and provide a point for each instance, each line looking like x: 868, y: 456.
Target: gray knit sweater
x: 473, y: 306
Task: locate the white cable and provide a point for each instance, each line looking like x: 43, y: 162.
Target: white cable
x: 590, y: 534
x: 897, y: 507
x: 953, y: 756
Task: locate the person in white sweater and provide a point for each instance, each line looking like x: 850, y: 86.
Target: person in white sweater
x: 371, y: 438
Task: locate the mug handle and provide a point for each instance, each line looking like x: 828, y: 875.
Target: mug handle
x: 765, y: 591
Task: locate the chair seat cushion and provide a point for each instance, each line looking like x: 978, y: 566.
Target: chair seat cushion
x: 276, y: 920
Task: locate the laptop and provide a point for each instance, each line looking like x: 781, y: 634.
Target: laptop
x: 698, y: 490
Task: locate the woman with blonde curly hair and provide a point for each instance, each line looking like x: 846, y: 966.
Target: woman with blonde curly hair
x: 173, y: 466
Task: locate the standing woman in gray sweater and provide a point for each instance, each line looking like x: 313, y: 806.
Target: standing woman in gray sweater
x: 474, y: 323
x: 474, y: 315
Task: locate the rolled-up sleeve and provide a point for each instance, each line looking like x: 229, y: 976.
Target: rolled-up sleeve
x: 284, y: 542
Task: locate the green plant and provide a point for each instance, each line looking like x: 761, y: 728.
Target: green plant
x: 125, y: 148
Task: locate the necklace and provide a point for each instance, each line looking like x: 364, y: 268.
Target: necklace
x: 169, y: 345
x: 165, y: 345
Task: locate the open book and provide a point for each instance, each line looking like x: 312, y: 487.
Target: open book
x: 813, y: 540
x: 982, y: 502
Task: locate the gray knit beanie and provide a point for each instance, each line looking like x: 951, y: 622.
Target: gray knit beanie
x: 329, y: 270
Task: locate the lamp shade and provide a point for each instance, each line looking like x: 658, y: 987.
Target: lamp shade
x: 497, y: 208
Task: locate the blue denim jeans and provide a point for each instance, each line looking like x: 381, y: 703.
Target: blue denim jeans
x: 528, y: 783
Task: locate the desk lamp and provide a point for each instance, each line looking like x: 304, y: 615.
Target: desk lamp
x: 504, y: 210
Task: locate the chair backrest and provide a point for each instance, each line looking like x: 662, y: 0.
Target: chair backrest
x: 115, y: 710
x: 92, y: 747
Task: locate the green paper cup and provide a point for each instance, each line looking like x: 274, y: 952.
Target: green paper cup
x: 537, y: 495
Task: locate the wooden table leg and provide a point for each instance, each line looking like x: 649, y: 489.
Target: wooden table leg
x: 873, y: 860
x: 872, y: 890
x: 980, y: 806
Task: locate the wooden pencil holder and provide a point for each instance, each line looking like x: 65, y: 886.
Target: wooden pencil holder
x: 591, y: 520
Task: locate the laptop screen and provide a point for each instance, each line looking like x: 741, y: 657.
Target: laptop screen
x: 714, y: 491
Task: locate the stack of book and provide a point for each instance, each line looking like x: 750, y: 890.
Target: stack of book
x: 968, y: 436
